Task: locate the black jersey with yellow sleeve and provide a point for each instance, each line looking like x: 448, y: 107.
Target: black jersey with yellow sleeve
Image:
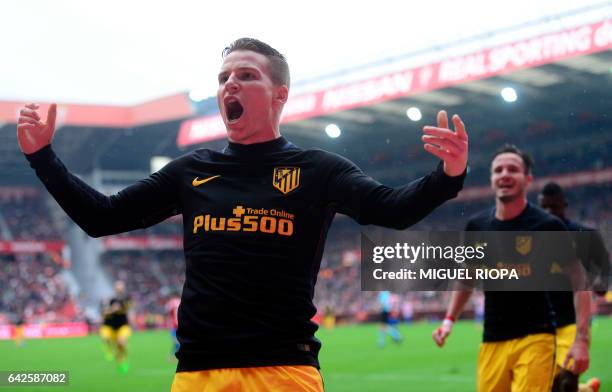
x: 255, y: 221
x: 514, y: 314
x: 115, y: 312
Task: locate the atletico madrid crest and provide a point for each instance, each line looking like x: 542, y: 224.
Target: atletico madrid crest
x: 523, y: 244
x: 286, y: 179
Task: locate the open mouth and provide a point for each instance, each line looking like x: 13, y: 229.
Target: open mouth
x: 233, y: 109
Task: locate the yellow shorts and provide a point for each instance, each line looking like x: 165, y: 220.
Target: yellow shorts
x: 565, y: 339
x: 108, y: 333
x: 251, y: 379
x: 522, y: 364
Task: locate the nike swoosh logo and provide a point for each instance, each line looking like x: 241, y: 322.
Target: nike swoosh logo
x: 197, y: 182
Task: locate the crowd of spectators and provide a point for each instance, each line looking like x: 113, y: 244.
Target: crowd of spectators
x: 28, y: 218
x: 33, y: 288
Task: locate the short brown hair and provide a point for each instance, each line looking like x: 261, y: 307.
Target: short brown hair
x: 279, y: 69
x: 511, y: 148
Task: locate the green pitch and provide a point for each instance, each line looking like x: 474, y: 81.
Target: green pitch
x: 350, y: 358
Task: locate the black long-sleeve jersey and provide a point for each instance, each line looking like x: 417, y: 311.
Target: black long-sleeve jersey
x: 514, y: 314
x: 255, y: 222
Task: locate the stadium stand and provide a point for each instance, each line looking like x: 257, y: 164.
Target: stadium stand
x: 32, y: 286
x: 28, y: 218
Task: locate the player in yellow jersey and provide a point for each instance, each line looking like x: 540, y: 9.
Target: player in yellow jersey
x: 115, y: 329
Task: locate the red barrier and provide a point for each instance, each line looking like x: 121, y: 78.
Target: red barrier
x: 25, y: 246
x: 43, y: 331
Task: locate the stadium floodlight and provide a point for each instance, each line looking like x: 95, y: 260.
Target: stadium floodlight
x: 157, y: 162
x: 333, y: 131
x: 414, y: 113
x: 509, y: 94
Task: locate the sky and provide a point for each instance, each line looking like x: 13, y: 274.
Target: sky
x: 125, y: 52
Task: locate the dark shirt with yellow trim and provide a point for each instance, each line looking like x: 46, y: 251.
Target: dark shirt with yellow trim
x: 514, y: 314
x: 592, y: 253
x: 255, y: 221
x: 115, y: 312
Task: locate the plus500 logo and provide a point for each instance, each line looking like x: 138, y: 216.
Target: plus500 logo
x: 269, y: 222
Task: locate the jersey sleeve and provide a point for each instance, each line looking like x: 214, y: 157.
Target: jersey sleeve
x: 368, y: 202
x: 140, y: 205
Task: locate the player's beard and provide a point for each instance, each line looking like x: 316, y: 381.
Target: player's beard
x: 511, y: 197
x: 508, y: 198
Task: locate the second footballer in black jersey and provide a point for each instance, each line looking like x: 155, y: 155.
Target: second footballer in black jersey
x: 518, y: 346
x: 512, y: 314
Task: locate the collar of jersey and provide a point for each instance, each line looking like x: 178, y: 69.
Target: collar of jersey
x: 257, y: 149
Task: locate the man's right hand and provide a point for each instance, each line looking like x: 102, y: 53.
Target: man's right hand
x: 440, y: 334
x: 32, y: 133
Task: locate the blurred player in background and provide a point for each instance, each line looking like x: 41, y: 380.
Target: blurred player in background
x: 590, y: 246
x: 407, y: 309
x: 115, y: 330
x: 517, y: 353
x: 172, y: 307
x: 329, y: 316
x: 18, y: 332
x: 389, y: 318
x: 592, y: 252
x: 256, y: 219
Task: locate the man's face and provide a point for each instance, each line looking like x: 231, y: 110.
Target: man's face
x: 249, y: 101
x: 553, y: 204
x: 508, y: 177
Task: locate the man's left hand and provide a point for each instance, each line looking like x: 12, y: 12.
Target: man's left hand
x: 451, y: 147
x: 578, y: 357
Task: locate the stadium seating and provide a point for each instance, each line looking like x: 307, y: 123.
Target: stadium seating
x: 32, y: 287
x: 28, y: 218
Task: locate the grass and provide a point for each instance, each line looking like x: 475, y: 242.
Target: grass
x: 350, y: 359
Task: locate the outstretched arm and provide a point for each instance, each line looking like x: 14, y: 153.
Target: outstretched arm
x: 369, y: 202
x: 145, y: 203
